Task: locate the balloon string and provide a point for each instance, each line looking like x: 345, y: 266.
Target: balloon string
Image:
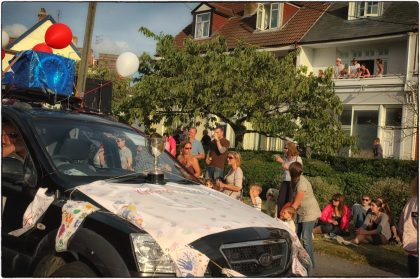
x: 96, y: 88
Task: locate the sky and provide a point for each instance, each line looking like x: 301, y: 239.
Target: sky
x: 116, y: 23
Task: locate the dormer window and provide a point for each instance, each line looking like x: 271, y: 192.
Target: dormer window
x: 269, y: 16
x: 202, y: 25
x: 365, y: 9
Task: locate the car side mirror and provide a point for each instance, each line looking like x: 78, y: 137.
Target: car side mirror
x: 12, y: 169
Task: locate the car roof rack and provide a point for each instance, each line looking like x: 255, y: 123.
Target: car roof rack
x: 36, y: 95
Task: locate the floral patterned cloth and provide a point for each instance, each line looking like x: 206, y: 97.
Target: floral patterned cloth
x: 176, y: 215
x: 74, y: 212
x: 34, y: 211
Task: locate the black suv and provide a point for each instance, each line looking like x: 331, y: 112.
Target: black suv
x: 62, y: 153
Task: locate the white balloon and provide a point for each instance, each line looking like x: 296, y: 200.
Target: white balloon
x: 127, y: 64
x: 4, y: 39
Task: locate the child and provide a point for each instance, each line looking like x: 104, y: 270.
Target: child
x: 254, y: 192
x: 288, y: 216
x: 377, y: 148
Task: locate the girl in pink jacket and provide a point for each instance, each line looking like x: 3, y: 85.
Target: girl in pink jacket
x: 335, y: 217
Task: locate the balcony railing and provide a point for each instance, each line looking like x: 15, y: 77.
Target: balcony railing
x: 384, y: 81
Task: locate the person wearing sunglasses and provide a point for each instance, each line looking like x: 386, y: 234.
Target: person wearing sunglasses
x: 334, y: 217
x: 188, y: 160
x: 285, y: 191
x: 232, y: 185
x: 359, y: 211
x: 12, y: 145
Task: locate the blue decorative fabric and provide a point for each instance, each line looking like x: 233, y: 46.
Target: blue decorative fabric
x: 44, y: 71
x: 8, y: 78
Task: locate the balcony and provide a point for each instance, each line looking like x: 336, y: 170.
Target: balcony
x: 388, y: 89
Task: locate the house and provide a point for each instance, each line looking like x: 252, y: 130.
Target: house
x: 373, y: 107
x: 272, y: 26
x: 34, y: 36
x: 380, y: 107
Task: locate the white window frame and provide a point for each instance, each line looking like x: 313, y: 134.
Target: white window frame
x: 199, y: 26
x: 354, y: 7
x: 264, y: 14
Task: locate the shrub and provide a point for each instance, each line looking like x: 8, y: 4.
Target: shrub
x: 317, y: 168
x: 379, y: 168
x: 395, y: 192
x: 355, y: 185
x: 323, y: 190
x: 267, y: 174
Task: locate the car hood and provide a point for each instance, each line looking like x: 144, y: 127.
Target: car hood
x: 175, y: 215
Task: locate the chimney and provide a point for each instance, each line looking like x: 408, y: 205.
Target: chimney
x: 42, y: 14
x: 250, y: 8
x: 75, y: 40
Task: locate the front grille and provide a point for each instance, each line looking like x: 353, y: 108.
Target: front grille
x: 262, y: 258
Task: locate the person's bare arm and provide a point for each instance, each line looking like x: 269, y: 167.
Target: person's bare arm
x: 298, y: 199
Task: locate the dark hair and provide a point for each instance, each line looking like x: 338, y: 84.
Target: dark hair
x: 340, y: 198
x: 386, y: 208
x: 379, y: 60
x: 379, y: 204
x: 220, y: 128
x: 296, y: 170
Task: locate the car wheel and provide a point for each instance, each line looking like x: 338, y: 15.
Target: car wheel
x: 74, y: 269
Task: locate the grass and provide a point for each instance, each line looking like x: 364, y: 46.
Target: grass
x: 390, y: 258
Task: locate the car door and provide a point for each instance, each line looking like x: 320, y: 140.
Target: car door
x: 19, y: 186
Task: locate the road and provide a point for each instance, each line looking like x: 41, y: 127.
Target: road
x: 330, y: 266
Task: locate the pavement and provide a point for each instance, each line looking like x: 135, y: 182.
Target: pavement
x: 330, y: 266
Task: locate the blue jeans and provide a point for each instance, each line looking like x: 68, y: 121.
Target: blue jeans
x: 358, y: 214
x: 304, y: 232
x: 213, y: 173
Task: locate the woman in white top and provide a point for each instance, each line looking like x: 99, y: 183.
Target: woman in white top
x: 285, y: 191
x: 234, y: 179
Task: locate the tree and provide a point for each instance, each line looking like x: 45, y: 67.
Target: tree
x: 240, y: 86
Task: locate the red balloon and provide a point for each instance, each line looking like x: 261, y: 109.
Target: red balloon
x: 58, y: 36
x: 43, y: 48
x: 3, y: 54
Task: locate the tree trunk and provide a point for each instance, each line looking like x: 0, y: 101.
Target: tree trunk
x: 239, y: 130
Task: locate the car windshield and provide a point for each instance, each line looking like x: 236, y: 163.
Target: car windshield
x: 99, y: 150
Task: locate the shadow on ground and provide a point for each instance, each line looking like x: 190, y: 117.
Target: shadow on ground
x: 389, y: 258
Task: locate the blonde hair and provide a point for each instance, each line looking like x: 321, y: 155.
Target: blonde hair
x: 237, y: 157
x: 258, y: 186
x: 292, y: 148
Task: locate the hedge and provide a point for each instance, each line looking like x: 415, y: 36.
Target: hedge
x: 387, y: 178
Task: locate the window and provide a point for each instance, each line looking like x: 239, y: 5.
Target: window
x: 345, y: 117
x: 268, y: 16
x: 364, y: 9
x: 393, y: 116
x: 202, y: 25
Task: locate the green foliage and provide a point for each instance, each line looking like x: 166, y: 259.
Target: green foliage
x: 403, y: 169
x: 394, y: 191
x: 267, y: 174
x: 323, y: 190
x: 238, y: 86
x: 259, y: 167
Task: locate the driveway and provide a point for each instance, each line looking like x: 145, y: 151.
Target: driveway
x: 330, y: 266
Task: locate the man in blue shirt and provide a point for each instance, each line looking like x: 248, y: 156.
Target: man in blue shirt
x: 197, y: 148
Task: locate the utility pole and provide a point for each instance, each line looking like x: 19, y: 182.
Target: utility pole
x: 87, y: 43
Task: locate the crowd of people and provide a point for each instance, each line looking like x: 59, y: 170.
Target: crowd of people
x: 355, y: 69
x: 370, y: 221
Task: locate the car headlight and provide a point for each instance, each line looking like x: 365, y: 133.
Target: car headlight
x: 149, y: 255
